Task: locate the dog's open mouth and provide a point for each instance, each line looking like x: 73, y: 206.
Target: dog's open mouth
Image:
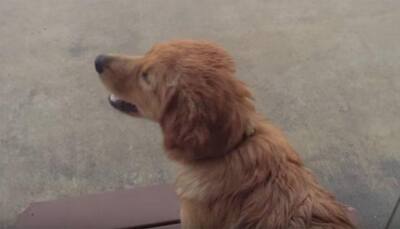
x: 122, y: 105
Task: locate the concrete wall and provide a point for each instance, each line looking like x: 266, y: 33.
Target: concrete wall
x: 327, y: 72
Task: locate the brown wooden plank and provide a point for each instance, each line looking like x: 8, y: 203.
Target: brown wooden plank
x: 172, y: 226
x: 156, y: 205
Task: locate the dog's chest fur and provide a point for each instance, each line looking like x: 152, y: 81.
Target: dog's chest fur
x: 192, y: 184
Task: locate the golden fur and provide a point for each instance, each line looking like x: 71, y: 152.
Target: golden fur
x: 237, y: 170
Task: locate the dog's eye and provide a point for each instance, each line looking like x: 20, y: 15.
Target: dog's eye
x: 145, y: 77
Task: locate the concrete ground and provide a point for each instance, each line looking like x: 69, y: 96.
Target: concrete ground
x: 327, y: 72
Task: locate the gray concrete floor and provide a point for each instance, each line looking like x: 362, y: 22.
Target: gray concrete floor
x: 327, y: 72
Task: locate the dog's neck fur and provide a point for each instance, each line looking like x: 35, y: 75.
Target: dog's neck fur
x: 195, y: 178
x: 248, y: 133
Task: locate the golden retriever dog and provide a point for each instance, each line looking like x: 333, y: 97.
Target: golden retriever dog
x: 237, y: 169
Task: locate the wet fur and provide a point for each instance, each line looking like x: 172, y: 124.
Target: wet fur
x: 237, y: 170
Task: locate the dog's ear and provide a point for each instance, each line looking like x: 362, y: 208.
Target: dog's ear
x: 204, y: 117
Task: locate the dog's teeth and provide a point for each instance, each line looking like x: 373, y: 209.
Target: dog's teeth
x: 113, y: 98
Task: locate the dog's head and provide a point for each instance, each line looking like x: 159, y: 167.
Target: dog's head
x: 189, y: 88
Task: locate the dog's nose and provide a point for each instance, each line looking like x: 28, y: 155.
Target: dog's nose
x: 100, y: 62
